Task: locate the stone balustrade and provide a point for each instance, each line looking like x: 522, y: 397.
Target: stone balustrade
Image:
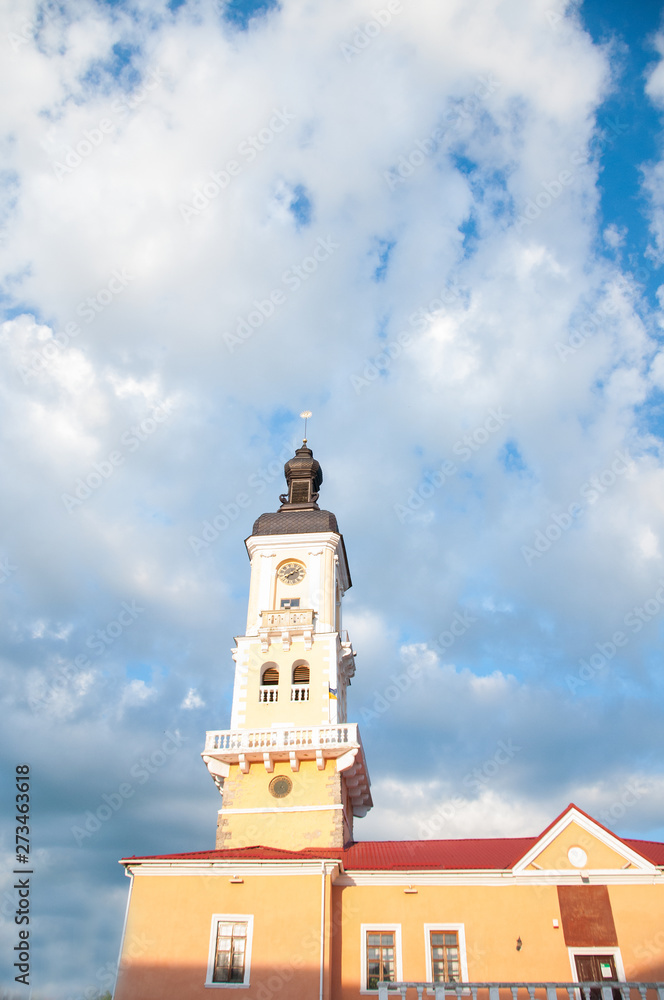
x: 523, y: 991
x: 282, y: 738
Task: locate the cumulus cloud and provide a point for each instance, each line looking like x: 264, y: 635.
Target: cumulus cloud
x: 192, y: 700
x: 208, y: 225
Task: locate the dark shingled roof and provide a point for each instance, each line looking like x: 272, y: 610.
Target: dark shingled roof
x: 295, y: 522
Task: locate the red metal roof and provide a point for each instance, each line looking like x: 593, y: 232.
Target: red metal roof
x: 651, y: 850
x: 493, y: 853
x: 388, y: 855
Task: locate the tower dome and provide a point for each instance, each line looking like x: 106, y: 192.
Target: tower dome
x: 299, y: 513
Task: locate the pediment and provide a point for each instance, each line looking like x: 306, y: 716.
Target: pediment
x: 577, y: 843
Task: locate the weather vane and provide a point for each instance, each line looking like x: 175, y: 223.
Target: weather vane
x: 305, y: 414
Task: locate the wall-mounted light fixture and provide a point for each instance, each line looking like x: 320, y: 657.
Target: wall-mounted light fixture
x: 519, y: 944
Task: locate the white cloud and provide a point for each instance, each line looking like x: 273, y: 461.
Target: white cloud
x: 192, y: 700
x: 655, y: 84
x: 136, y: 693
x: 500, y: 255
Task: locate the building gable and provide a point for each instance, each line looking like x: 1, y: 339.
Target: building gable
x: 577, y: 843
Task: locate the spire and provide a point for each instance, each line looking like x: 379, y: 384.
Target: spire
x: 299, y: 513
x: 304, y: 477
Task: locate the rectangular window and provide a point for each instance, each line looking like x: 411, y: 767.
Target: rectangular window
x: 445, y: 946
x: 290, y: 602
x: 230, y: 950
x: 231, y: 947
x: 381, y: 955
x: 299, y: 491
x: 445, y: 966
x: 380, y: 958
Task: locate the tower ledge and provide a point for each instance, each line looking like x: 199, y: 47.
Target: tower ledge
x: 342, y: 743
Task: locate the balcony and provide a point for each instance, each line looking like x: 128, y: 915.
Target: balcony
x: 247, y: 747
x: 523, y: 991
x: 305, y: 739
x: 299, y: 692
x: 284, y: 624
x: 268, y: 692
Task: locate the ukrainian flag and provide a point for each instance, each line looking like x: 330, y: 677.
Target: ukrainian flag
x: 333, y: 693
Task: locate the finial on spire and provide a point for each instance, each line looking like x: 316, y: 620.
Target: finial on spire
x: 305, y: 414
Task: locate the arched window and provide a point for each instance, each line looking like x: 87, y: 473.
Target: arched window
x: 300, y: 685
x: 269, y: 689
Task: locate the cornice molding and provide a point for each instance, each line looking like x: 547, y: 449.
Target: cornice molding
x: 227, y: 868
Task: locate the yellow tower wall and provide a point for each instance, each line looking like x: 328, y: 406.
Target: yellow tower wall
x: 321, y: 658
x: 312, y: 815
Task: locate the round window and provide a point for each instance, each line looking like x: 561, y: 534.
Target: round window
x: 577, y: 857
x: 281, y: 786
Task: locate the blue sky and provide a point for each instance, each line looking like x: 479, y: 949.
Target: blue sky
x: 442, y: 235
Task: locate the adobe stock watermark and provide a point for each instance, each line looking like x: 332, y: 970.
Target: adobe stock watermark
x: 131, y: 440
x: 477, y: 780
x: 593, y: 322
x: 88, y: 309
x: 257, y: 483
x: 278, y: 983
x: 554, y: 17
x: 105, y: 975
x: 7, y: 569
x: 391, y: 693
x: 73, y: 155
x: 629, y: 795
x: 650, y: 949
x: 293, y: 278
x: 464, y: 449
x: 99, y: 642
x: 591, y: 492
x: 379, y: 364
x: 248, y: 149
x: 459, y: 624
x: 634, y: 621
x: 364, y: 35
x: 29, y: 29
x: 450, y: 294
x: 551, y: 190
x: 113, y: 801
x: 422, y: 149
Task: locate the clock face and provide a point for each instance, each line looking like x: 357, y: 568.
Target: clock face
x: 291, y: 572
x: 280, y: 786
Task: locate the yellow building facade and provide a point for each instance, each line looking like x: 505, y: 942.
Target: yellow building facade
x: 288, y: 905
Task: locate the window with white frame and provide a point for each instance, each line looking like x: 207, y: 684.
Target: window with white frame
x: 229, y: 959
x: 381, y: 955
x: 445, y: 953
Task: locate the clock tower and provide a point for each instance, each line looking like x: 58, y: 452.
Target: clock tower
x: 291, y: 768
